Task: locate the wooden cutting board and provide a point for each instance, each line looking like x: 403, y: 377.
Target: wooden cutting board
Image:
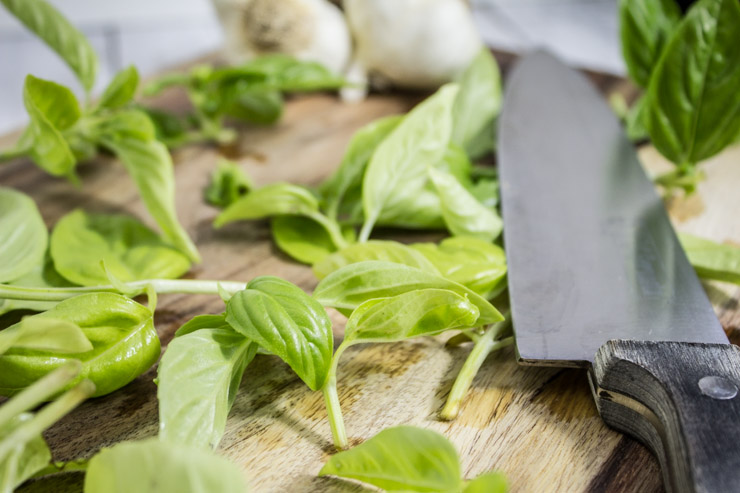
x: 538, y: 425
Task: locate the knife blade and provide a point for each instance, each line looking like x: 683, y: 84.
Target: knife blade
x: 598, y: 279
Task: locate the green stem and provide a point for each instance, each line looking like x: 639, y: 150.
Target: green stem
x: 160, y: 286
x: 367, y: 228
x: 13, y: 153
x: 331, y: 399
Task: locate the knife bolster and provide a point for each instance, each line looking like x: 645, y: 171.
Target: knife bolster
x: 651, y: 391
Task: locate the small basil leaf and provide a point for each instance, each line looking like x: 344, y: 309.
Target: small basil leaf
x: 50, y: 25
x: 403, y: 458
x: 130, y: 250
x: 270, y: 200
x: 121, y: 89
x: 202, y: 322
x: 350, y: 286
x: 694, y: 107
x: 287, y: 322
x: 228, y: 184
x: 412, y: 314
x: 462, y: 213
x: 262, y: 107
x: 153, y: 466
x: 715, y: 261
x: 45, y: 334
x: 125, y: 344
x: 23, y: 235
x: 29, y: 458
x: 304, y: 238
x: 390, y: 251
x: 198, y: 377
x: 492, y: 482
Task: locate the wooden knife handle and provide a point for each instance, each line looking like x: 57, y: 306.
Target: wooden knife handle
x: 682, y: 401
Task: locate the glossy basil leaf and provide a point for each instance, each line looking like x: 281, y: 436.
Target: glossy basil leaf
x: 51, y: 108
x: 423, y: 312
x: 23, y: 235
x: 390, y: 251
x: 694, y: 107
x: 477, y: 105
x: 229, y: 182
x: 48, y: 334
x: 154, y: 466
x: 403, y: 458
x: 491, y: 482
x: 130, y: 251
x: 271, y: 200
x: 287, y: 322
x: 198, y: 377
x: 305, y: 239
x: 125, y: 344
x: 121, y: 89
x: 130, y: 135
x: 462, y: 213
x: 398, y: 166
x: 352, y: 168
x: 25, y: 461
x: 350, y: 286
x: 42, y: 275
x: 59, y: 34
x: 645, y: 26
x: 715, y: 261
x: 419, y: 210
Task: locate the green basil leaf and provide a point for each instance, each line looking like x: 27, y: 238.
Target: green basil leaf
x: 23, y: 235
x: 420, y: 210
x: 254, y: 105
x: 389, y: 251
x: 694, y: 107
x: 486, y: 191
x: 29, y: 458
x: 477, y: 105
x: 645, y: 27
x: 153, y: 466
x: 121, y: 89
x: 462, y: 213
x: 287, y: 322
x: 398, y: 166
x: 271, y: 200
x: 491, y: 482
x: 125, y: 344
x: 424, y: 312
x: 50, y: 25
x: 350, y: 286
x: 130, y: 135
x: 715, y: 261
x: 129, y: 250
x: 42, y: 275
x: 48, y: 334
x: 306, y: 239
x: 403, y: 458
x: 199, y: 376
x: 228, y: 184
x: 56, y: 102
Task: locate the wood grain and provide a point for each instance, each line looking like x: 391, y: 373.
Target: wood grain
x: 538, y: 425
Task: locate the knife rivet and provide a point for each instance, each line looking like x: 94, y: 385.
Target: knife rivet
x: 720, y: 388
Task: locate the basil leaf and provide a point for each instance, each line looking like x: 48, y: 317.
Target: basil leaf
x: 42, y: 275
x: 45, y: 334
x: 694, y: 106
x: 486, y: 191
x: 462, y: 213
x: 270, y: 200
x: 412, y: 314
x: 130, y: 135
x: 350, y: 286
x: 50, y: 25
x: 29, y: 458
x: 492, y: 482
x: 645, y: 26
x: 125, y: 344
x: 199, y: 376
x: 398, y: 166
x: 390, y: 251
x: 287, y: 322
x: 403, y: 458
x: 23, y: 235
x: 228, y: 184
x: 121, y: 89
x: 477, y: 105
x: 305, y: 239
x: 152, y: 466
x: 259, y: 106
x: 129, y: 250
x: 420, y: 210
x: 715, y: 261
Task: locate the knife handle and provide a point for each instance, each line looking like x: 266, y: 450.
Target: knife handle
x: 681, y: 400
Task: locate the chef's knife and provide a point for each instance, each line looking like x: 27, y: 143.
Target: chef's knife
x: 598, y: 279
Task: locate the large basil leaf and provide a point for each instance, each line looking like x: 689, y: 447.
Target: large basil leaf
x: 153, y: 466
x: 121, y: 89
x: 23, y: 235
x: 271, y: 200
x: 306, y: 239
x: 26, y: 460
x: 403, y: 458
x: 350, y: 286
x: 46, y: 334
x: 412, y: 314
x: 711, y: 260
x: 390, y: 251
x: 397, y: 168
x: 49, y: 24
x: 462, y: 213
x: 130, y: 135
x: 287, y: 322
x: 645, y: 27
x: 129, y: 250
x: 125, y: 344
x: 694, y: 102
x: 199, y: 377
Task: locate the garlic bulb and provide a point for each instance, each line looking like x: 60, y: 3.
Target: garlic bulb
x: 312, y: 30
x: 412, y: 43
